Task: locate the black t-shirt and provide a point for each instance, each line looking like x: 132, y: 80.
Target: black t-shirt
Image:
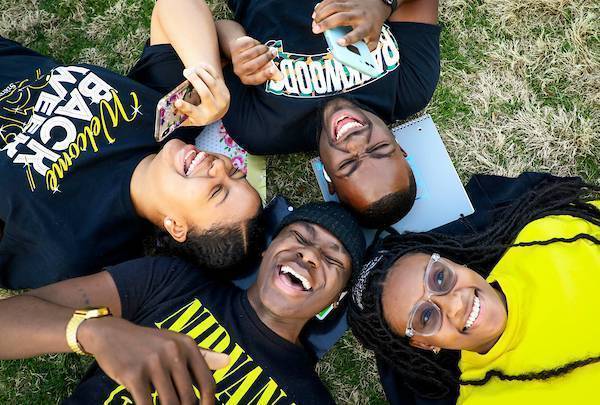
x: 71, y: 137
x: 281, y: 117
x: 168, y: 293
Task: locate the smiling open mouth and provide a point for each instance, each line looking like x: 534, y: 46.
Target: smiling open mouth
x: 192, y: 159
x: 474, y: 313
x: 344, y: 125
x: 294, y: 279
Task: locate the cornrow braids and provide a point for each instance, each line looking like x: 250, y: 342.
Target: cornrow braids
x: 436, y: 376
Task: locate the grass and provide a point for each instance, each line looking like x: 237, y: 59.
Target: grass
x: 519, y: 90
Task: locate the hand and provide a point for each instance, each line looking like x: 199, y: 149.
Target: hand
x: 366, y: 17
x: 214, y: 96
x: 253, y: 61
x: 141, y: 358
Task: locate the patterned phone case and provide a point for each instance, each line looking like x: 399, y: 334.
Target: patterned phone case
x: 167, y: 117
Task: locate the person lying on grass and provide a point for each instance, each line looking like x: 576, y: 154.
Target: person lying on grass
x: 83, y: 179
x: 517, y: 303
x: 167, y: 314
x: 289, y: 95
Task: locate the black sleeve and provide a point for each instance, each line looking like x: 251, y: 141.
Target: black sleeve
x: 419, y: 47
x: 159, y: 68
x: 150, y: 281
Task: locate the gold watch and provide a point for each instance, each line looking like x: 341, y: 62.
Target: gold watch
x: 77, y: 319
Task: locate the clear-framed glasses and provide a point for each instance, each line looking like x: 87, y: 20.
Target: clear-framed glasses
x: 425, y: 318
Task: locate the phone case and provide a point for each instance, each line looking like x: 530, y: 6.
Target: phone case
x: 356, y: 55
x: 167, y: 117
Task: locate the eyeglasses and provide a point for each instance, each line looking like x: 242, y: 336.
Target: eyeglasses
x: 425, y: 318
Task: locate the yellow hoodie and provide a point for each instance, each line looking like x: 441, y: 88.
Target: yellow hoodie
x: 553, y: 298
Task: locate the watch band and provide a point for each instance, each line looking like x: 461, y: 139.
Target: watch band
x: 77, y: 319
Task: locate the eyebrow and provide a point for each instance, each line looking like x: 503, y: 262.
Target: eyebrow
x: 310, y: 229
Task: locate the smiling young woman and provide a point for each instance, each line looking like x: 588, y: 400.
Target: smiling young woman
x: 501, y: 300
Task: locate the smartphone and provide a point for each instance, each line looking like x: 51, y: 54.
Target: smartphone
x: 356, y: 55
x: 168, y: 119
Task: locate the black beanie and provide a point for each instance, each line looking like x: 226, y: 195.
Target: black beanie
x: 336, y: 220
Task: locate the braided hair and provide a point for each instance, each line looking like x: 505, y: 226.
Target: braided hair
x: 436, y: 376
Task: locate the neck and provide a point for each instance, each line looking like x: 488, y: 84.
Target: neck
x: 289, y: 329
x: 142, y: 193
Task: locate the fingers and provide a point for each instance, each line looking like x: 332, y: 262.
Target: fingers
x: 203, y: 91
x: 326, y: 8
x: 183, y: 383
x: 202, y: 375
x: 243, y: 43
x: 164, y: 386
x: 357, y: 34
x: 344, y: 18
x: 140, y: 391
x: 215, y: 360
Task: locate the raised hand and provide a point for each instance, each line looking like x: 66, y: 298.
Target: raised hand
x: 142, y: 359
x: 366, y: 17
x: 214, y: 96
x: 252, y: 61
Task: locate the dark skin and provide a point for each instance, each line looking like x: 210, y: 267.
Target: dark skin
x: 315, y: 254
x: 360, y: 155
x: 172, y: 362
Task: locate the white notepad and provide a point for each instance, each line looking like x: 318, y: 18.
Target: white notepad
x: 441, y: 197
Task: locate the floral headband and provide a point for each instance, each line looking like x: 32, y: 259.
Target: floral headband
x: 361, y: 282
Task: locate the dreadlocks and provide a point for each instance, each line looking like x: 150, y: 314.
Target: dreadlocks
x: 437, y: 376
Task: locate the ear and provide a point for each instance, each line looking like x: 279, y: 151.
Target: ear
x: 415, y: 342
x: 403, y: 151
x: 177, y: 229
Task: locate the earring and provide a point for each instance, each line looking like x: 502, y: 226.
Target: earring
x: 168, y: 222
x: 436, y: 350
x: 326, y: 176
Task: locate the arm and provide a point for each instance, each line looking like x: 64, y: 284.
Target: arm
x: 35, y: 323
x: 188, y: 26
x: 366, y: 17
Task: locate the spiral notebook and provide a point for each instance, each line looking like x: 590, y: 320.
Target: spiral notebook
x: 441, y: 197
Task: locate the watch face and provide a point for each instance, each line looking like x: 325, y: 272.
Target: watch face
x: 388, y: 2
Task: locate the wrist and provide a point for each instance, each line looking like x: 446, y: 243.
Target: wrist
x: 89, y: 333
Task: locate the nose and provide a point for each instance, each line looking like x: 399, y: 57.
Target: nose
x: 452, y: 306
x: 357, y: 143
x: 219, y: 168
x: 309, y: 257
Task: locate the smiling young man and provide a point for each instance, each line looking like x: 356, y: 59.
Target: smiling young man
x: 173, y: 308
x: 82, y: 177
x: 285, y: 85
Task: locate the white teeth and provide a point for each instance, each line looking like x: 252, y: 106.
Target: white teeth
x: 474, y: 313
x: 288, y: 270
x: 347, y: 127
x: 197, y: 160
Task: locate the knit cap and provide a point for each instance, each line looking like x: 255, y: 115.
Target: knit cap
x: 336, y: 220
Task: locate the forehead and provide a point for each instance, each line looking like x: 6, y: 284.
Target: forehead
x: 317, y: 234
x: 402, y: 288
x: 391, y: 174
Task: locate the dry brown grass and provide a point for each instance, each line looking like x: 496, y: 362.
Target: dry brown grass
x: 520, y: 90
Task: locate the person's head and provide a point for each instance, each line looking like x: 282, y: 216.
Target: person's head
x: 405, y: 278
x: 367, y: 167
x: 308, y: 264
x: 204, y: 203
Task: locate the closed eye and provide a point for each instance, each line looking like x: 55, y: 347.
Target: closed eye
x: 301, y: 239
x: 334, y: 262
x: 215, y: 191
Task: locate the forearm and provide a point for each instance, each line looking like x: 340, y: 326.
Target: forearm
x: 228, y: 31
x: 419, y: 11
x: 32, y: 326
x: 189, y: 27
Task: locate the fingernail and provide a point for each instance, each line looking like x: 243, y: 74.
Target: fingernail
x: 313, y: 15
x: 178, y: 103
x: 315, y: 27
x: 187, y: 72
x: 317, y: 5
x: 341, y: 42
x: 274, y: 52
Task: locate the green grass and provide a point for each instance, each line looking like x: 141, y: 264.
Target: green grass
x: 519, y: 91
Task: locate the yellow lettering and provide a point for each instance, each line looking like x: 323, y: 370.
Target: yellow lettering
x: 115, y: 112
x: 266, y: 394
x: 236, y: 391
x: 74, y: 150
